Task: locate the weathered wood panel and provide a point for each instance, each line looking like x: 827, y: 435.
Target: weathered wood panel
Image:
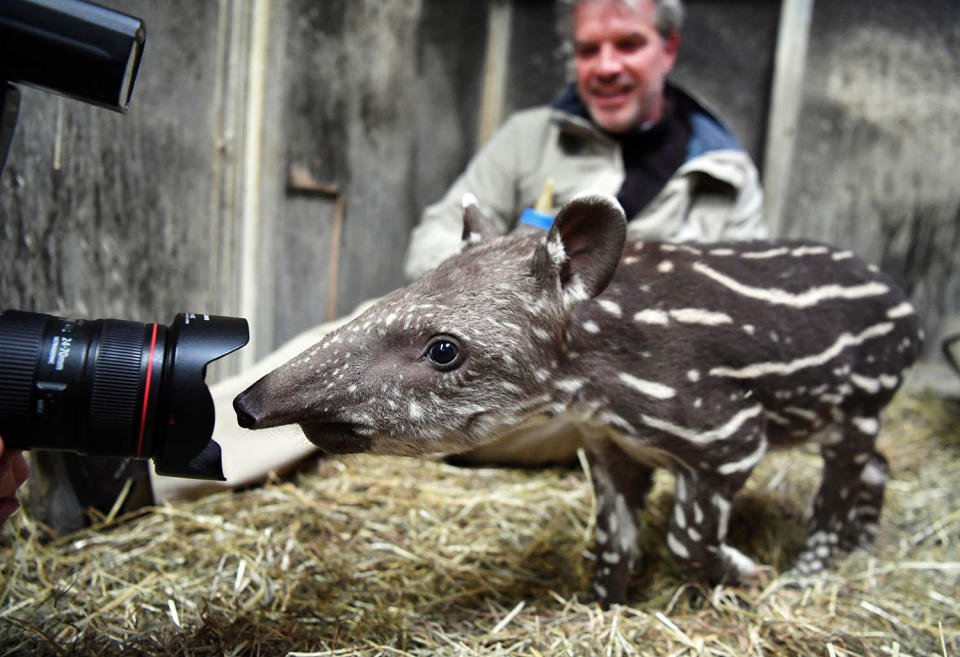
x: 105, y: 214
x: 378, y: 98
x: 875, y: 166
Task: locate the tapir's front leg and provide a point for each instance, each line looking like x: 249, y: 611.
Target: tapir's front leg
x: 621, y: 486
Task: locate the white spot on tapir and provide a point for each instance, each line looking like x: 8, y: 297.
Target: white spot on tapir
x: 870, y: 385
x: 901, y: 310
x: 679, y: 517
x: 651, y: 316
x: 697, y: 513
x: 741, y: 563
x: 628, y: 530
x: 665, y: 267
x: 867, y: 425
x: 590, y: 326
x: 677, y: 547
x: 770, y: 253
x: 723, y: 508
x: 681, y: 488
x: 693, y: 375
x: 414, y: 410
x: 556, y: 251
x: 700, y: 316
x: 873, y: 475
x: 649, y: 388
x: 569, y: 385
x: 611, y: 307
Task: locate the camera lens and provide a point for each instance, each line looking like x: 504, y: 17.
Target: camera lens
x: 111, y: 387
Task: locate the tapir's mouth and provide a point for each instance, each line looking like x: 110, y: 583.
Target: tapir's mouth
x: 336, y: 437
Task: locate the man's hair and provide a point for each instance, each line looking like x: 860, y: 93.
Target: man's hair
x: 668, y: 15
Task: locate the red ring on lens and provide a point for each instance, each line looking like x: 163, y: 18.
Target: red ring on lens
x: 146, y: 391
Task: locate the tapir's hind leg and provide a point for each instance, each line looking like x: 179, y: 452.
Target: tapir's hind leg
x: 704, y: 498
x: 847, y: 506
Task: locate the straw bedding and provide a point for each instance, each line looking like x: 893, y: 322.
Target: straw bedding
x: 393, y: 556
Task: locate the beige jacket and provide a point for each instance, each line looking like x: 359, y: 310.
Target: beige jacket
x: 715, y: 195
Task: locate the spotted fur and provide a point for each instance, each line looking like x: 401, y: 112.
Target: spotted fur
x: 696, y: 358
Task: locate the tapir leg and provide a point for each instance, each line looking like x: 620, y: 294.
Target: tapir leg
x: 703, y: 499
x: 698, y: 526
x: 621, y: 486
x: 847, y: 506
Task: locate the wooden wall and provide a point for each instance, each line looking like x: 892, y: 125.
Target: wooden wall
x: 105, y: 214
x: 185, y: 203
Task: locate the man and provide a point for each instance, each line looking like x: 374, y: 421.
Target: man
x: 621, y: 128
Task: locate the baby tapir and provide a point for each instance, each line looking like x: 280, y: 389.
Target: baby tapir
x: 694, y: 358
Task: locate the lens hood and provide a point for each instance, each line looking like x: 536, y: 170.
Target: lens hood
x: 116, y: 388
x: 188, y: 449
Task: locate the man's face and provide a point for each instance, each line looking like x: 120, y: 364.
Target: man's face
x: 621, y: 62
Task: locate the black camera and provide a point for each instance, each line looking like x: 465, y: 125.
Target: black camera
x: 104, y: 387
x: 111, y: 387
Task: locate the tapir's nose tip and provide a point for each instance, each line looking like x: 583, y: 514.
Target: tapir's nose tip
x: 244, y: 417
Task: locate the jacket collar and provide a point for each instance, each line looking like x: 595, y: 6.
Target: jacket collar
x: 707, y: 132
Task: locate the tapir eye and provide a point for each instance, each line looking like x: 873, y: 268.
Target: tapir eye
x: 444, y: 353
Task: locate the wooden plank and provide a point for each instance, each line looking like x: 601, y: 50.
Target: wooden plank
x: 495, y: 69
x: 789, y: 67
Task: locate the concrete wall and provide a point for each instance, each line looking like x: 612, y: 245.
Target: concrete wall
x: 378, y: 98
x: 878, y: 139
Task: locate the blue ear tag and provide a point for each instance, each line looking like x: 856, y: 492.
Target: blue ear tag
x: 536, y: 219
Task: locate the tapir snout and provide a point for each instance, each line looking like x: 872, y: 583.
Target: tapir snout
x: 259, y: 407
x: 245, y: 411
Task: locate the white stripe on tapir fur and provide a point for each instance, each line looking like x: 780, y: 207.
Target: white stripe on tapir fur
x: 845, y: 340
x: 650, y: 388
x: 806, y: 299
x: 704, y: 437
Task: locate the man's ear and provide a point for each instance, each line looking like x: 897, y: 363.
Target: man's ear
x: 476, y: 227
x: 583, y: 246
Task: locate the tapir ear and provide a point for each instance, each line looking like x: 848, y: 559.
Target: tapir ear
x: 476, y: 227
x: 583, y: 246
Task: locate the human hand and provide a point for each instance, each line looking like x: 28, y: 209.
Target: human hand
x: 13, y: 472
